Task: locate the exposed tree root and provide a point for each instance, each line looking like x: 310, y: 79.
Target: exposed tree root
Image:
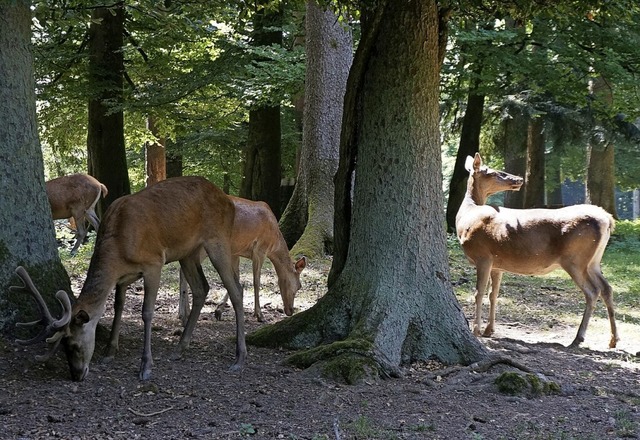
x: 485, y: 365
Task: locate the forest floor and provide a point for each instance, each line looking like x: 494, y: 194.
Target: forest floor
x: 197, y: 397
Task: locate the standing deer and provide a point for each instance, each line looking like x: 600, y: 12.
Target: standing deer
x: 256, y: 236
x: 173, y: 220
x: 76, y: 196
x: 531, y: 242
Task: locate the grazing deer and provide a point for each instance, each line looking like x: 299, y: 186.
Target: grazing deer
x: 256, y: 236
x: 531, y: 242
x: 76, y: 196
x: 173, y: 220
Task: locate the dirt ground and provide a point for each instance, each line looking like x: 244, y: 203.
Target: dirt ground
x: 197, y: 397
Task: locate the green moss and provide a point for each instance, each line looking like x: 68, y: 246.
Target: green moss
x: 306, y: 358
x: 350, y: 368
x: 530, y: 384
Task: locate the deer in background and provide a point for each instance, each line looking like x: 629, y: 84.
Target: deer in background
x: 173, y: 220
x: 256, y: 236
x: 531, y: 242
x: 75, y: 196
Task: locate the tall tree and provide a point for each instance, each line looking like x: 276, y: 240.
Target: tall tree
x: 329, y: 55
x: 600, y: 181
x: 262, y: 169
x: 105, y: 137
x: 534, y: 175
x: 27, y: 237
x: 390, y: 300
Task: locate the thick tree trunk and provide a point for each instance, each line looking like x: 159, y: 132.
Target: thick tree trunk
x: 469, y: 145
x: 329, y: 56
x: 392, y: 302
x: 105, y: 137
x: 534, y: 177
x: 27, y: 237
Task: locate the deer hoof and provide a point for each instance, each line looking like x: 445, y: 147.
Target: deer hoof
x: 488, y: 332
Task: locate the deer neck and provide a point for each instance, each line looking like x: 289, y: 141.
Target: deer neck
x: 474, y: 196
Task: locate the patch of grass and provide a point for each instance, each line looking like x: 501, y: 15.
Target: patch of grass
x: 625, y: 426
x: 364, y: 428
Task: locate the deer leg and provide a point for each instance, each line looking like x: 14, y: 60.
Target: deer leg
x: 483, y: 271
x: 222, y: 304
x: 496, y: 279
x: 606, y: 292
x: 257, y: 268
x: 183, y: 302
x: 199, y: 288
x: 118, y: 306
x: 151, y: 284
x: 222, y: 261
x: 81, y: 233
x: 584, y: 281
x: 93, y: 218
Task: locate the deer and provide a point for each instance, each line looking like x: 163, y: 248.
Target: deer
x: 531, y: 242
x: 174, y: 220
x: 256, y: 236
x: 75, y: 196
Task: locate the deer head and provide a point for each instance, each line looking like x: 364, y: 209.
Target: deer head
x: 75, y: 332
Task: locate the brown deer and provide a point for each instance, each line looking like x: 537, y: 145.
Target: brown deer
x: 256, y: 236
x: 173, y: 220
x: 75, y: 196
x: 531, y: 242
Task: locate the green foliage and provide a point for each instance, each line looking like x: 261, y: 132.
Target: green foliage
x: 188, y: 64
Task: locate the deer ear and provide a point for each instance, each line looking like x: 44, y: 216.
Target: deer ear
x: 301, y: 264
x: 468, y: 164
x: 81, y: 318
x: 477, y: 162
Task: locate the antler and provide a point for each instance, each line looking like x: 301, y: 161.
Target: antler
x: 51, y: 325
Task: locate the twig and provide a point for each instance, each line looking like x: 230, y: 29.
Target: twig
x: 336, y: 428
x: 139, y: 414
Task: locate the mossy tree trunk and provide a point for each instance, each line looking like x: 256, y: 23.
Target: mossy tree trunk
x: 329, y: 56
x: 27, y: 237
x: 391, y: 302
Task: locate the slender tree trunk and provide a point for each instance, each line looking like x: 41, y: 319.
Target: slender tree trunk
x: 329, y: 55
x: 262, y: 170
x: 534, y: 177
x: 514, y: 141
x: 469, y: 145
x: 155, y: 156
x: 105, y: 138
x: 27, y: 237
x: 601, y: 182
x: 392, y: 301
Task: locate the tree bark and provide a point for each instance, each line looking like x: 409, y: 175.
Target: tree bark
x: 329, y: 56
x: 105, y: 137
x: 469, y: 145
x: 28, y: 236
x: 262, y: 169
x: 534, y: 177
x: 514, y: 141
x: 392, y: 301
x: 155, y: 156
x: 601, y: 182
